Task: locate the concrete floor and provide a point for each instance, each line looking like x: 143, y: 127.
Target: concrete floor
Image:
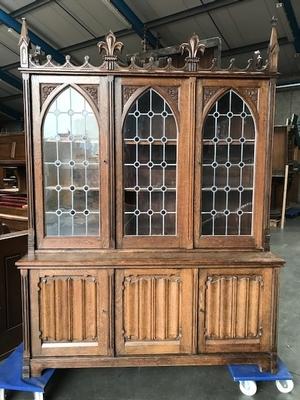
x: 189, y: 383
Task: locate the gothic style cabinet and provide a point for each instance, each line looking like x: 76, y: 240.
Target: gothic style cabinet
x: 148, y: 212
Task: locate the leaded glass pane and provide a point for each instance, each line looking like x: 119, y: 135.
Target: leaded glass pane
x: 228, y: 168
x: 150, y: 164
x: 71, y: 167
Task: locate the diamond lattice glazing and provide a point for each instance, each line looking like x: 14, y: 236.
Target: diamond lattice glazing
x: 71, y: 167
x: 150, y: 163
x: 228, y: 168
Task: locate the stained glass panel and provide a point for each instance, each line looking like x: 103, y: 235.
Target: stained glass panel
x: 150, y: 165
x: 228, y: 168
x: 71, y: 167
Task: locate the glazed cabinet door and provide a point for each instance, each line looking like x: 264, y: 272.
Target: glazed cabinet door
x: 236, y: 310
x: 71, y: 312
x: 71, y: 161
x: 154, y: 311
x: 232, y: 167
x: 153, y: 162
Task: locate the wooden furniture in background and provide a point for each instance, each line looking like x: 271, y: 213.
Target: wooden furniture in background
x: 12, y: 247
x: 284, y: 152
x: 148, y: 212
x: 13, y: 196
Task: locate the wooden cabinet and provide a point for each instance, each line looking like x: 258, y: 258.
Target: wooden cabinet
x: 148, y: 213
x: 154, y: 311
x: 235, y: 310
x: 70, y: 312
x: 12, y: 248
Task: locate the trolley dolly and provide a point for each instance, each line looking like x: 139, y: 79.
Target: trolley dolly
x: 248, y: 375
x: 11, y: 376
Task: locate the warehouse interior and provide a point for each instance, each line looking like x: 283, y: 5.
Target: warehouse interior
x: 234, y: 32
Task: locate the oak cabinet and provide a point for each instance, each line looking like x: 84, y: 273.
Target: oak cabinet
x: 148, y: 212
x: 235, y: 310
x: 156, y: 309
x: 71, y: 312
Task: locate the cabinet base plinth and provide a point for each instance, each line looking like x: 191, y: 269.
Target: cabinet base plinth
x: 265, y: 361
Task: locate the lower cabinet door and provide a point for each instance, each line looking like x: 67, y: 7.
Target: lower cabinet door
x: 236, y: 310
x: 70, y: 312
x: 154, y: 311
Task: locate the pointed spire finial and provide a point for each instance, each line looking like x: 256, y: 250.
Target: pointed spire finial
x: 24, y: 45
x: 24, y: 33
x: 274, y: 21
x: 273, y: 49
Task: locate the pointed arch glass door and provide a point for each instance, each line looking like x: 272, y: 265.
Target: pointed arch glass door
x: 71, y: 167
x: 71, y: 163
x: 228, y: 211
x: 150, y: 138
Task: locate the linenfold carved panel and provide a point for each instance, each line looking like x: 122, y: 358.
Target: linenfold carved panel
x: 68, y: 308
x: 233, y: 307
x: 152, y: 307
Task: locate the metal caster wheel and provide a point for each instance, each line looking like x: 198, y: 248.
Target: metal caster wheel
x: 248, y: 388
x: 285, y: 386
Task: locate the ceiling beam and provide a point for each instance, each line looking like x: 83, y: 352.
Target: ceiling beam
x: 292, y: 20
x: 137, y: 25
x: 192, y: 12
x: 11, y: 79
x: 10, y: 66
x: 10, y: 112
x: 34, y: 5
x: 92, y: 42
x: 11, y: 97
x: 11, y: 22
x: 253, y: 47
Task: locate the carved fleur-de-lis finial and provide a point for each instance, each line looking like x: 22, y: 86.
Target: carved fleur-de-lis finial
x: 110, y: 46
x: 193, y: 48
